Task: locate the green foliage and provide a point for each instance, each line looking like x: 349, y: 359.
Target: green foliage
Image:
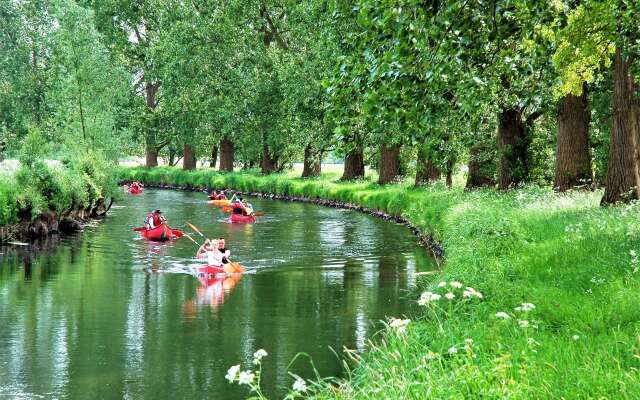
x: 576, y: 262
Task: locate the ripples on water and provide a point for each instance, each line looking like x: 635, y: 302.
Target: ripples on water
x: 105, y: 314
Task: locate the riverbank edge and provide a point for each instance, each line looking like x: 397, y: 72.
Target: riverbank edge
x: 49, y: 223
x: 424, y: 240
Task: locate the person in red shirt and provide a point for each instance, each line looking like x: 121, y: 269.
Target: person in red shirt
x: 154, y: 219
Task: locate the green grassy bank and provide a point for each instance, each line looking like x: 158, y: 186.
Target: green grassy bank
x: 56, y: 188
x: 572, y: 260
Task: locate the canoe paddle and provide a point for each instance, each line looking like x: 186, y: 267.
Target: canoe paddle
x: 194, y: 228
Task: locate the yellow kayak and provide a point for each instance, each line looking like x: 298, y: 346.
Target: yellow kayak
x: 220, y: 203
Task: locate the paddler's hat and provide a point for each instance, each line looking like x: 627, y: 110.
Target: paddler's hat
x: 157, y: 211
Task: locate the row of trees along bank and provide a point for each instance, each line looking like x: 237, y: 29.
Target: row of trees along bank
x: 522, y: 91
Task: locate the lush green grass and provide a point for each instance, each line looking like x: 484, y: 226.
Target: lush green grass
x: 563, y: 253
x: 30, y: 191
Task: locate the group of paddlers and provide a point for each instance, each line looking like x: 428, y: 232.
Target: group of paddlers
x: 238, y: 205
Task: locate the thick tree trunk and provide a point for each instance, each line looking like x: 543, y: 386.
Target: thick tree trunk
x: 214, y: 156
x: 312, y: 162
x: 268, y: 163
x: 353, y: 165
x: 513, y: 145
x: 623, y: 175
x: 481, y: 166
x: 227, y: 154
x: 389, y: 168
x: 189, y: 158
x: 150, y: 135
x: 573, y: 152
x: 151, y: 157
x: 426, y: 170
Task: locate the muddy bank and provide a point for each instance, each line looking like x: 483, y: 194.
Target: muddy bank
x: 51, y: 223
x: 426, y: 241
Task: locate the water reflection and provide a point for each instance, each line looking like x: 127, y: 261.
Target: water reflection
x: 107, y: 315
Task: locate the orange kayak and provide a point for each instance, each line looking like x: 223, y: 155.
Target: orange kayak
x: 219, y: 203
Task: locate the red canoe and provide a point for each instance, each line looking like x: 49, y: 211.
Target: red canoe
x: 160, y: 233
x: 237, y: 218
x: 210, y: 270
x: 133, y: 190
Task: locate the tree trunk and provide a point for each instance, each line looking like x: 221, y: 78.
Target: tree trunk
x: 353, y: 165
x: 481, y: 166
x: 214, y: 156
x: 513, y: 145
x: 150, y: 134
x: 623, y: 176
x: 189, y: 158
x: 227, y: 154
x: 312, y: 162
x: 573, y: 152
x: 268, y: 163
x: 426, y: 170
x: 389, y: 168
x: 449, y: 170
x: 151, y: 157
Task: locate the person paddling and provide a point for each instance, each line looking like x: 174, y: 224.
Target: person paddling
x: 210, y: 250
x: 238, y: 206
x: 222, y: 249
x: 154, y: 219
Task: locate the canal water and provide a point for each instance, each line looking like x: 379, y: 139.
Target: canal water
x: 104, y: 314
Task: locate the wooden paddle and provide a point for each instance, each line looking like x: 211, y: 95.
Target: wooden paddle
x: 231, y: 267
x: 194, y: 228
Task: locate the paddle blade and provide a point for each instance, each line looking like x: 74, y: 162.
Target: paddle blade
x: 177, y: 233
x: 228, y: 268
x: 237, y: 268
x: 195, y: 229
x: 258, y: 214
x: 226, y: 209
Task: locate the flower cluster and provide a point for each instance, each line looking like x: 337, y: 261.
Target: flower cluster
x: 400, y: 325
x: 451, y: 290
x: 523, y: 308
x: 634, y: 261
x: 242, y: 377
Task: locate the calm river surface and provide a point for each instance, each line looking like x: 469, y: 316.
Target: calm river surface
x: 107, y: 315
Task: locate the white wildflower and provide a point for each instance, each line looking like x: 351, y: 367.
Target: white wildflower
x: 246, y: 377
x: 300, y: 385
x: 450, y: 296
x: 452, y: 350
x: 232, y: 373
x: 442, y: 284
x: 471, y: 292
x: 575, y: 337
x: 400, y: 325
x: 258, y: 355
x: 502, y: 315
x: 525, y: 307
x: 428, y: 297
x: 431, y: 355
x: 468, y: 341
x: 523, y: 323
x: 633, y: 253
x: 456, y: 284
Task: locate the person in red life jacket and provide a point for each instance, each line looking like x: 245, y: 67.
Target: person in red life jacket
x: 217, y: 196
x: 136, y: 185
x: 238, y: 207
x: 154, y: 219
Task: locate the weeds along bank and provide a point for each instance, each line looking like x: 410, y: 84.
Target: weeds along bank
x: 40, y: 198
x: 538, y: 298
